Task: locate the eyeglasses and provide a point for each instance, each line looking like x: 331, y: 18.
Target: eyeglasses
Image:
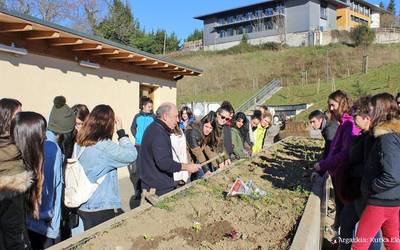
x: 225, y: 118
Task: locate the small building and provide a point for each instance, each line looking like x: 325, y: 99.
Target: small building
x: 40, y: 60
x: 358, y: 12
x: 287, y: 21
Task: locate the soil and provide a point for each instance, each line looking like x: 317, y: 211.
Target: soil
x: 203, y: 217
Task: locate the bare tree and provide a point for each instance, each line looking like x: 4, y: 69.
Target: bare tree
x: 279, y: 21
x: 56, y: 10
x: 21, y: 6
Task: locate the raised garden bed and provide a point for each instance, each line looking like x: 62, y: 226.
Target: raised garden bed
x: 202, y: 217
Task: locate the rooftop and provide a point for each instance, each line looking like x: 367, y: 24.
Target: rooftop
x: 54, y: 39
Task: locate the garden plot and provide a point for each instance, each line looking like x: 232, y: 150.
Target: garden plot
x: 203, y: 217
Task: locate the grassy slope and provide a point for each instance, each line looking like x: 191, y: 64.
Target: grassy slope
x: 381, y: 79
x: 236, y: 77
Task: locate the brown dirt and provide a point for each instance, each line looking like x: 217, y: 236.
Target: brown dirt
x: 226, y: 223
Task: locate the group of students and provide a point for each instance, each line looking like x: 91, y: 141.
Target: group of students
x: 33, y: 157
x: 35, y: 152
x: 362, y: 155
x: 219, y: 137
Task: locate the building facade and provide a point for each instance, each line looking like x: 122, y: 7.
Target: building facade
x: 357, y: 13
x: 288, y: 21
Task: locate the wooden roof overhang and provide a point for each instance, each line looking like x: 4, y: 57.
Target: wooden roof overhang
x: 40, y: 37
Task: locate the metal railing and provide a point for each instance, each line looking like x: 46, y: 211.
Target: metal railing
x: 261, y: 96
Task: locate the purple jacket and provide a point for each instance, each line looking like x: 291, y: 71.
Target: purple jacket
x: 338, y: 155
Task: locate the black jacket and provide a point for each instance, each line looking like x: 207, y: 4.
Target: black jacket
x: 155, y: 164
x: 359, y: 152
x: 328, y: 131
x: 14, y: 182
x: 381, y: 178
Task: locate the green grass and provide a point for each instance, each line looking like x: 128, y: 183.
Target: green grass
x: 236, y: 76
x: 381, y: 79
x: 235, y: 96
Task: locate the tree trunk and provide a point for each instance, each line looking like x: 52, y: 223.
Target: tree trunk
x: 365, y: 64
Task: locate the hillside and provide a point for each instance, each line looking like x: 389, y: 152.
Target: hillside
x: 236, y: 76
x: 381, y: 79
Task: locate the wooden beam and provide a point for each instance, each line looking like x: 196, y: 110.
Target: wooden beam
x: 121, y: 56
x: 150, y: 63
x: 106, y: 51
x: 177, y: 71
x: 135, y: 59
x: 66, y: 41
x: 171, y: 69
x: 158, y: 67
x: 87, y: 46
x: 15, y: 27
x: 39, y: 35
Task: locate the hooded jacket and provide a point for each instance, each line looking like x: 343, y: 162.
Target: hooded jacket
x: 15, y: 180
x: 139, y: 124
x: 338, y: 155
x: 381, y: 179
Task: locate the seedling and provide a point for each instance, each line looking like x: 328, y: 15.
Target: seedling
x: 196, y: 226
x: 148, y: 237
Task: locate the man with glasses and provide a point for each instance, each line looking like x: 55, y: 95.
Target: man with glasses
x: 319, y: 121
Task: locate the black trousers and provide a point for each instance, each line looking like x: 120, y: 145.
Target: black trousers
x: 92, y: 219
x: 39, y: 241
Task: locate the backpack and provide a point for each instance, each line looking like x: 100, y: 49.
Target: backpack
x: 78, y: 188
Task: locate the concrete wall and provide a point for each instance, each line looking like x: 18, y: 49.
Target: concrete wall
x: 35, y: 81
x: 292, y: 39
x: 387, y: 37
x: 375, y: 20
x: 297, y: 12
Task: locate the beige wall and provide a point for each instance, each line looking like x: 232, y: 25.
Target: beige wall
x: 35, y: 81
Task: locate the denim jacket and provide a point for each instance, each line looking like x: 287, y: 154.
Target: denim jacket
x: 50, y: 208
x: 102, y: 159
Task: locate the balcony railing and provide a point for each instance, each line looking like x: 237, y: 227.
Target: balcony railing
x: 252, y: 18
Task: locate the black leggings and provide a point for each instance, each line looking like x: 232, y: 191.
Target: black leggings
x: 39, y: 241
x: 92, y: 219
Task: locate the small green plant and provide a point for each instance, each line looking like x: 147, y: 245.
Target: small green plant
x: 148, y: 237
x: 196, y: 226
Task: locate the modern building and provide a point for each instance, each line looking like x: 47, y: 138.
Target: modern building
x: 40, y: 60
x: 358, y: 12
x: 286, y: 21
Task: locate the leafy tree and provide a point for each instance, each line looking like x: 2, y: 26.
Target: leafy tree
x: 363, y: 36
x: 391, y: 7
x: 195, y: 35
x: 119, y: 25
x: 381, y: 5
x: 245, y: 38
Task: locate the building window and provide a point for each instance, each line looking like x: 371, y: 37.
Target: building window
x: 222, y: 33
x: 269, y: 25
x: 230, y: 19
x: 229, y: 32
x: 269, y: 11
x: 239, y: 18
x: 249, y: 15
x: 249, y: 29
x: 239, y: 30
x: 359, y: 20
x: 323, y: 13
x: 259, y: 13
x: 221, y: 21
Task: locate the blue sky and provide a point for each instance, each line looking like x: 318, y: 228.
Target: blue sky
x: 177, y: 15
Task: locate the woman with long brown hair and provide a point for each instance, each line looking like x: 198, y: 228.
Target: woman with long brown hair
x: 21, y: 177
x: 100, y: 157
x: 381, y: 179
x: 337, y: 160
